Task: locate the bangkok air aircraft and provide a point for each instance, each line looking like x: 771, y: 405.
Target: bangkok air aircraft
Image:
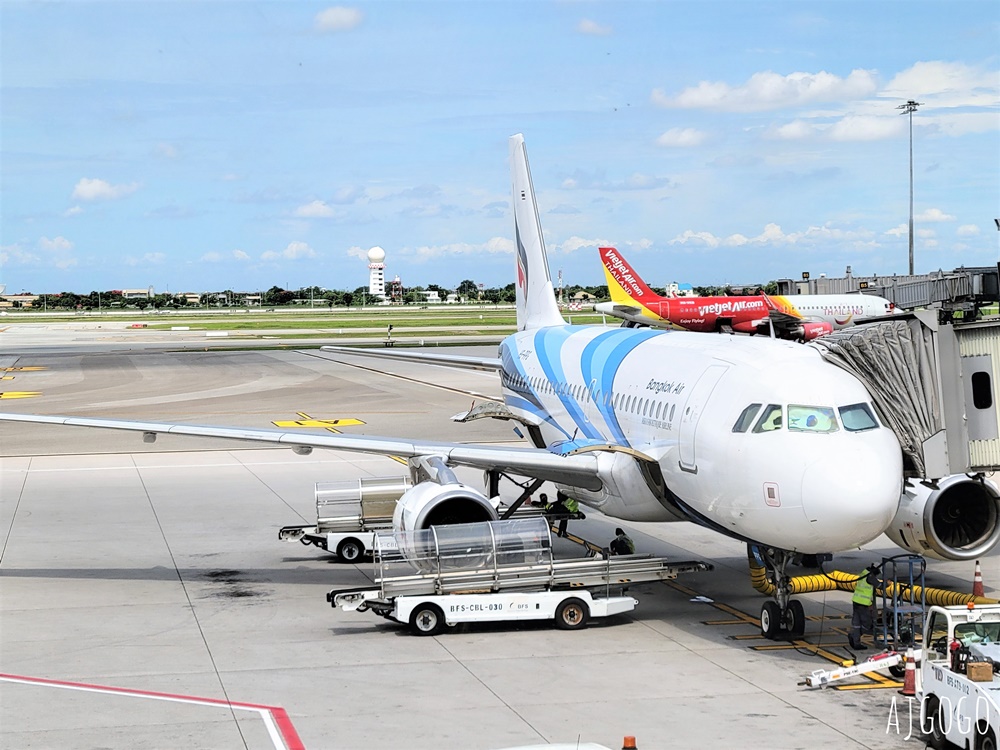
x: 757, y: 438
x: 804, y: 319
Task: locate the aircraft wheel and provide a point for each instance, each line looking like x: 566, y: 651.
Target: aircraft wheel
x: 795, y: 619
x: 572, y: 614
x: 986, y: 741
x: 770, y: 620
x: 350, y: 550
x: 427, y: 619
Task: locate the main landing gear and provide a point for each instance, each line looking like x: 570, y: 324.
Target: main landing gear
x: 784, y: 616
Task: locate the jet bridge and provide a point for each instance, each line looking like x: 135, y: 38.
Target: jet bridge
x: 935, y: 384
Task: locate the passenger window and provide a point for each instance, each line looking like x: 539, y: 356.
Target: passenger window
x: 770, y: 419
x: 746, y: 418
x: 811, y: 418
x: 672, y: 408
x: 659, y: 409
x: 858, y: 417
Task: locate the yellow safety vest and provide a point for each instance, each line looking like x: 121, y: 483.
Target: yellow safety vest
x: 864, y: 593
x: 571, y: 505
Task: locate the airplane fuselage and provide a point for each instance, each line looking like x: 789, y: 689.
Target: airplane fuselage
x: 825, y: 478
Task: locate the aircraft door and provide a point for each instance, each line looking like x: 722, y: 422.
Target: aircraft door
x: 693, y: 408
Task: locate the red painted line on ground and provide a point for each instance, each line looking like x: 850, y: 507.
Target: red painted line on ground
x: 285, y: 727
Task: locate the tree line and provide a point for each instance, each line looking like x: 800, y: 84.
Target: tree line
x: 468, y: 290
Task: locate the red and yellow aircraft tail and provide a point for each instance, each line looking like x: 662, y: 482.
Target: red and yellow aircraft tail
x: 625, y: 285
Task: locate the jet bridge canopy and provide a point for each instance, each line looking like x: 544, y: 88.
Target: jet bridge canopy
x: 934, y: 384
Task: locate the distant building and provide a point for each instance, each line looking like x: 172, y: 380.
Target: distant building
x: 429, y: 297
x: 680, y: 290
x: 376, y: 273
x: 133, y: 294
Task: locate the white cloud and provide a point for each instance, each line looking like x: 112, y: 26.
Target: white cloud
x: 769, y: 90
x: 339, y: 18
x: 240, y: 255
x: 586, y: 26
x: 93, y: 189
x: 899, y: 231
x: 794, y: 131
x: 866, y: 128
x: 294, y: 251
x: 167, y: 150
x: 211, y: 258
x: 933, y: 214
x: 681, y: 138
x: 73, y: 211
x: 576, y: 243
x: 494, y: 245
x: 357, y: 252
x: 773, y: 234
x: 16, y: 255
x: 58, y: 244
x: 315, y: 210
x: 925, y: 234
x: 148, y: 259
x: 968, y: 230
x: 960, y: 123
x: 945, y: 84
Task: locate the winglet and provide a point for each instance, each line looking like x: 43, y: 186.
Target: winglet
x: 624, y: 284
x: 536, y: 299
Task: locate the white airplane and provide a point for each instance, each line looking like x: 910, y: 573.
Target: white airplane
x: 757, y: 438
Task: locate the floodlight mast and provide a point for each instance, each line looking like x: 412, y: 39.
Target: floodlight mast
x: 908, y: 109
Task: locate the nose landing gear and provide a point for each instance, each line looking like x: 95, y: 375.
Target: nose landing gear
x: 784, y: 616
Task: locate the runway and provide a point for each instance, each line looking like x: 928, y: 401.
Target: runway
x: 155, y: 570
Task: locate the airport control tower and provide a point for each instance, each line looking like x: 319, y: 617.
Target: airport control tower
x: 376, y: 272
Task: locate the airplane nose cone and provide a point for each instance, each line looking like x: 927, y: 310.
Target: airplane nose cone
x: 849, y: 503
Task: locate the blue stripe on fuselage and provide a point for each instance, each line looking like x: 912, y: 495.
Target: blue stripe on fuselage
x: 549, y: 343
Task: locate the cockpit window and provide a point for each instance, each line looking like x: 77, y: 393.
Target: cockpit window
x: 746, y: 418
x: 812, y: 418
x: 770, y: 419
x: 858, y: 417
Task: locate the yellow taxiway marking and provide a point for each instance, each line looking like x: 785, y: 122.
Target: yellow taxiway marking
x: 6, y: 377
x: 877, y: 681
x: 330, y: 425
x: 20, y: 394
x: 27, y: 368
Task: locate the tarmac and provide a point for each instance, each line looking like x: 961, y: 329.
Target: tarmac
x: 146, y: 602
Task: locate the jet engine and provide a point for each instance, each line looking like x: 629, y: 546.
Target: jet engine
x: 431, y: 504
x: 958, y: 518
x: 810, y: 331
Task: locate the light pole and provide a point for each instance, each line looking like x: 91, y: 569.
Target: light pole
x: 908, y: 109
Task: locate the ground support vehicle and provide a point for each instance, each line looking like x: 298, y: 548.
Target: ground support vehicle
x: 500, y: 570
x: 349, y: 513
x: 959, y: 684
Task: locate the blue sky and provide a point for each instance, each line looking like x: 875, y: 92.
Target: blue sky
x: 198, y: 146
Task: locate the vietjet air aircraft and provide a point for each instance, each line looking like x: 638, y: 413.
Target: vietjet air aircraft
x: 756, y: 438
x: 804, y: 319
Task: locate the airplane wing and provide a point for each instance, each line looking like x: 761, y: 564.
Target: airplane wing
x: 578, y: 470
x: 491, y: 364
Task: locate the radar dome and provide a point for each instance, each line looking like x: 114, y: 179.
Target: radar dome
x: 376, y: 255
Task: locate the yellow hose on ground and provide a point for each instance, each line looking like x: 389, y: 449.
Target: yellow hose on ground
x: 838, y: 580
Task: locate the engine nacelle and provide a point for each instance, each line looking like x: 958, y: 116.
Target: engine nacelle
x: 431, y: 504
x: 810, y: 331
x: 748, y: 326
x: 960, y: 520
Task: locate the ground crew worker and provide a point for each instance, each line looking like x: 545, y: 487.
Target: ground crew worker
x: 622, y: 544
x: 563, y: 504
x: 863, y: 601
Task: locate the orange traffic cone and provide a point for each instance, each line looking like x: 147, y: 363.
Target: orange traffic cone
x: 977, y: 582
x: 910, y: 679
x: 628, y: 743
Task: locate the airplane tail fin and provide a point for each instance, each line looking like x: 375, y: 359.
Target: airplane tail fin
x: 624, y: 284
x: 536, y: 299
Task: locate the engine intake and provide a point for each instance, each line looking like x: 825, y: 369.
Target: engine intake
x: 431, y: 504
x: 958, y: 520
